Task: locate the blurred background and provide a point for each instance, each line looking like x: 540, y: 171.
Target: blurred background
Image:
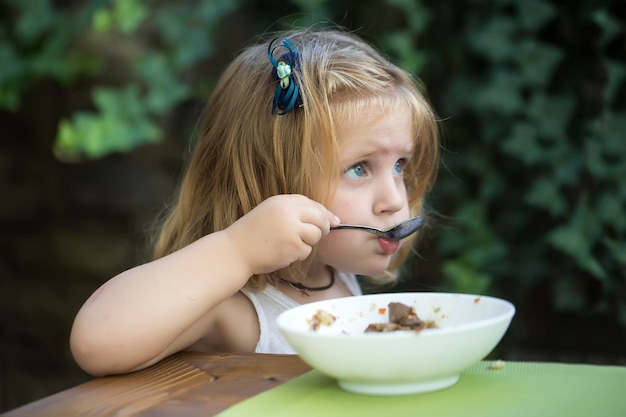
x: 98, y: 105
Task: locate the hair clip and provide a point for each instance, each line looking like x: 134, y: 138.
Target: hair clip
x: 287, y: 94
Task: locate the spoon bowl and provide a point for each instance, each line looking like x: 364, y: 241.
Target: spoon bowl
x: 397, y: 232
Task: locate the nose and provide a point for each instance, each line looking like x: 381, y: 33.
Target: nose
x: 390, y: 195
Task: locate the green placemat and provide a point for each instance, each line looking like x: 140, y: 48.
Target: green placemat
x: 519, y: 389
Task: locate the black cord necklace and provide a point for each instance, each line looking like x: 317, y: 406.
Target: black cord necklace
x: 304, y: 289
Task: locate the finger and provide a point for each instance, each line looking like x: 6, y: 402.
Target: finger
x: 319, y: 216
x: 333, y: 219
x: 329, y: 220
x: 305, y: 253
x: 311, y: 234
x: 328, y: 216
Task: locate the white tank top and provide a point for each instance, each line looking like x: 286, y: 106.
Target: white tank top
x: 270, y: 302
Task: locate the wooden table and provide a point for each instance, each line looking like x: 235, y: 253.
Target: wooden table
x: 186, y: 384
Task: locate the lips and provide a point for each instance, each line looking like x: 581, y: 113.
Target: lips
x: 388, y: 246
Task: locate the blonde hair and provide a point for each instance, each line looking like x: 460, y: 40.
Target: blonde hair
x: 244, y: 154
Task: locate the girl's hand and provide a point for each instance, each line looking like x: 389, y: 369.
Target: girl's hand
x: 279, y: 231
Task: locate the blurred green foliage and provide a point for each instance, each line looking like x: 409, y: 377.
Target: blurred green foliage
x: 41, y: 40
x: 535, y: 96
x: 531, y: 94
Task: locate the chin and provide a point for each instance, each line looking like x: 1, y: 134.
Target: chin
x: 377, y: 282
x: 373, y: 270
x: 356, y: 261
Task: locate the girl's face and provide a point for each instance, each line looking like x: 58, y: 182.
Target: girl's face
x: 371, y: 191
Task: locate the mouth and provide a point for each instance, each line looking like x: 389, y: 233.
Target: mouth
x: 388, y: 246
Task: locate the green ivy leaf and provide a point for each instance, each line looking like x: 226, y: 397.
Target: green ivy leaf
x: 551, y: 114
x: 610, y: 26
x: 493, y: 186
x: 164, y: 89
x: 572, y: 241
x: 610, y: 208
x: 534, y: 14
x: 545, y: 194
x: 501, y: 95
x: 415, y: 13
x: 570, y: 162
x: 470, y: 237
x: 608, y: 131
x: 522, y: 144
x: 93, y: 135
x: 102, y: 21
x: 121, y: 124
x: 616, y: 74
x: 577, y: 237
x: 494, y: 39
x: 312, y: 7
x: 9, y: 97
x: 537, y: 61
x: 464, y: 278
x: 186, y: 33
x: 617, y: 249
x: 35, y: 19
x: 67, y: 141
x: 401, y: 43
x: 13, y: 68
x: 459, y: 96
x: 129, y: 14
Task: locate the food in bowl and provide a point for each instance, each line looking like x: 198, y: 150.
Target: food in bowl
x: 413, y: 362
x: 320, y: 318
x: 401, y: 317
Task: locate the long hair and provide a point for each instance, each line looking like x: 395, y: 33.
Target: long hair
x: 244, y: 154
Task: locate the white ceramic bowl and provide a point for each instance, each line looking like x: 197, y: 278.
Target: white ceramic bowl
x: 405, y: 362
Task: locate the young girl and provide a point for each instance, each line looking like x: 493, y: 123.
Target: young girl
x: 301, y: 133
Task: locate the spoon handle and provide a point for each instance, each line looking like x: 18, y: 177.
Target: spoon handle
x: 398, y: 232
x: 354, y: 226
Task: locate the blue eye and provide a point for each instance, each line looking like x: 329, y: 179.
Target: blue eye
x: 356, y: 171
x: 398, y: 167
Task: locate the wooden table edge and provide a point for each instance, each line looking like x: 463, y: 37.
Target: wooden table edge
x: 187, y: 383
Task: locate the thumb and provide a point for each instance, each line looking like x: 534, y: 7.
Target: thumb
x: 334, y: 220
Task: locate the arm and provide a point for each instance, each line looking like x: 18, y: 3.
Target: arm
x: 154, y: 310
x: 146, y: 313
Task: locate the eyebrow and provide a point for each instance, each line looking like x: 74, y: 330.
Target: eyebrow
x: 405, y: 150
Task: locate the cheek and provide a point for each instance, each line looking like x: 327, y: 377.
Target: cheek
x: 347, y: 209
x: 333, y: 246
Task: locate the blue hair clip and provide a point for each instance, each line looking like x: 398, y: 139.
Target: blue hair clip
x: 287, y: 95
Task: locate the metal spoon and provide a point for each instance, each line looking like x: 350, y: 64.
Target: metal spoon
x: 397, y: 232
